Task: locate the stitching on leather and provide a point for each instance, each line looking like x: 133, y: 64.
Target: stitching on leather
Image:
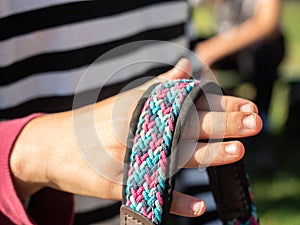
x: 242, y: 196
x: 137, y: 221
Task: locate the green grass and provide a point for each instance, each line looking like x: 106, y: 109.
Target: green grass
x: 291, y: 27
x: 278, y: 200
x: 204, y: 20
x: 277, y: 193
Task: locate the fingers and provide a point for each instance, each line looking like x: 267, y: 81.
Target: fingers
x: 182, y: 70
x: 218, y: 125
x: 195, y: 155
x: 186, y: 205
x: 211, y: 102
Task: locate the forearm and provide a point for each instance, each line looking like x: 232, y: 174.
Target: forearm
x: 53, y: 150
x: 261, y: 25
x: 10, y: 204
x: 28, y: 160
x: 225, y: 44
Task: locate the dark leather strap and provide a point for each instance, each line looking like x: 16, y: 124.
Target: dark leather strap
x: 230, y: 189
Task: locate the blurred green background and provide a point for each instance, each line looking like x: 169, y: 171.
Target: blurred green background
x: 276, y: 189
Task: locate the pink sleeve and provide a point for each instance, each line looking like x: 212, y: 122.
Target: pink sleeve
x: 11, y: 208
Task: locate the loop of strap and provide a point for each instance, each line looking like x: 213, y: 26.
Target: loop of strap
x: 148, y: 185
x: 149, y: 168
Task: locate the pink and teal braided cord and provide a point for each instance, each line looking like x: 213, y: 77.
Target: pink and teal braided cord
x: 152, y: 146
x: 149, y: 166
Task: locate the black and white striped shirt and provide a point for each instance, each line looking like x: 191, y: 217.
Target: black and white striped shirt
x: 54, y: 42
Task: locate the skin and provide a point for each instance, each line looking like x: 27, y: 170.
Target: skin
x: 263, y: 24
x: 58, y: 160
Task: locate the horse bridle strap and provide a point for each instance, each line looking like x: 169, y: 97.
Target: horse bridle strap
x: 149, y: 169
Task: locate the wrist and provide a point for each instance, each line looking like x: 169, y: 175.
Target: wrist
x: 28, y: 159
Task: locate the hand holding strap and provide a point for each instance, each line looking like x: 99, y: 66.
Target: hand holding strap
x: 154, y: 135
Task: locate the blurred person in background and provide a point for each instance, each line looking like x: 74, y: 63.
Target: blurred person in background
x: 248, y: 38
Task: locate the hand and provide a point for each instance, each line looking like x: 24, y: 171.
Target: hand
x: 50, y: 149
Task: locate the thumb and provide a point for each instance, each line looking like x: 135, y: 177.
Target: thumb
x: 182, y: 70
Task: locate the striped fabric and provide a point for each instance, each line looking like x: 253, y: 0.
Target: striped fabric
x: 54, y: 42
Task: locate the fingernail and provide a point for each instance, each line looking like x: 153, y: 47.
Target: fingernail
x: 231, y: 149
x: 197, y: 207
x: 249, y: 122
x: 247, y: 108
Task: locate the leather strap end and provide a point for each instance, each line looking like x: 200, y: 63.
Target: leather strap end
x: 130, y: 217
x: 230, y: 188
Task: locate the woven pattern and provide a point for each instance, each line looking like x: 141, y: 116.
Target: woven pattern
x: 152, y: 146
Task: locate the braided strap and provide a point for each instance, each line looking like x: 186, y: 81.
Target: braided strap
x: 149, y: 169
x: 148, y: 185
